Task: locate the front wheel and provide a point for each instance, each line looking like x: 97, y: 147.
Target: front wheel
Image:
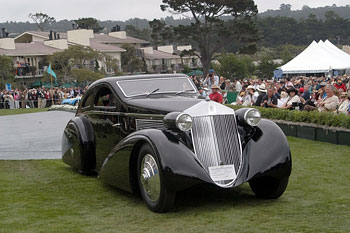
x: 268, y: 187
x: 152, y: 182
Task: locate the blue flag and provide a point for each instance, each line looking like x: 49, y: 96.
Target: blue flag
x: 50, y: 71
x: 8, y: 86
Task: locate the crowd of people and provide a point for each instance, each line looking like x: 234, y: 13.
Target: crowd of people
x: 36, y: 97
x: 324, y: 94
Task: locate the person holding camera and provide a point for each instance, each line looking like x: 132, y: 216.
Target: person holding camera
x: 269, y: 100
x: 211, y: 80
x: 294, y: 99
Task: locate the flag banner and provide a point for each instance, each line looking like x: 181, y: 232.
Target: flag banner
x: 8, y: 86
x: 50, y: 71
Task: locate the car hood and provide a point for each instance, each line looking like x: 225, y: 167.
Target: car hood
x: 165, y: 104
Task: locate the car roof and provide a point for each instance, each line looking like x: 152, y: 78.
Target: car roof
x: 113, y: 80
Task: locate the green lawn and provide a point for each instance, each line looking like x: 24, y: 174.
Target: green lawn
x: 48, y: 196
x: 5, y: 112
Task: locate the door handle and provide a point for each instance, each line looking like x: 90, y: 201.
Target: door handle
x: 117, y: 125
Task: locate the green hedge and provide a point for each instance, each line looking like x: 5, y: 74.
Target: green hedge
x: 319, y: 118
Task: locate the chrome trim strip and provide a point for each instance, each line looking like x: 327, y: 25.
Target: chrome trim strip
x: 149, y: 124
x: 136, y: 115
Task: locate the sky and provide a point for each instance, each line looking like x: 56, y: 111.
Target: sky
x: 119, y: 9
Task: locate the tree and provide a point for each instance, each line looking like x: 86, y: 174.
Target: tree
x: 6, y: 69
x: 285, y: 7
x: 61, y: 62
x: 130, y: 61
x: 42, y: 20
x: 83, y: 57
x: 112, y: 63
x: 76, y: 57
x: 143, y: 34
x: 209, y: 31
x: 162, y: 34
x: 231, y: 66
x: 89, y: 23
x: 266, y: 68
x: 85, y: 75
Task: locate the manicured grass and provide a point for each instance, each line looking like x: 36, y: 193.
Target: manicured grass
x: 5, y: 112
x: 48, y: 196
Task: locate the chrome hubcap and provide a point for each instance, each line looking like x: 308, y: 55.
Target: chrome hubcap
x: 150, y: 179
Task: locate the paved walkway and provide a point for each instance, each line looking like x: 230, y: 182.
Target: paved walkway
x: 32, y: 135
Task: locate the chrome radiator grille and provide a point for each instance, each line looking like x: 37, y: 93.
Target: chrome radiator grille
x: 216, y: 142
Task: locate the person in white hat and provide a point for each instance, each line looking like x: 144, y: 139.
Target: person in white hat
x: 216, y: 95
x: 249, y: 98
x: 262, y: 93
x: 344, y: 103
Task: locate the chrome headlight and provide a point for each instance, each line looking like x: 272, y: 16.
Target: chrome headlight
x: 252, y: 117
x: 184, y: 122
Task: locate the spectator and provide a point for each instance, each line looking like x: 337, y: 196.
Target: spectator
x: 322, y: 91
x: 238, y: 85
x: 222, y: 83
x: 284, y: 99
x: 17, y: 98
x: 306, y: 93
x: 292, y: 100
x: 261, y: 94
x: 196, y: 81
x: 270, y: 100
x: 240, y: 98
x: 250, y: 96
x: 340, y: 85
x: 211, y: 79
x: 344, y: 103
x: 216, y: 95
x: 288, y: 84
x: 202, y: 93
x: 330, y: 103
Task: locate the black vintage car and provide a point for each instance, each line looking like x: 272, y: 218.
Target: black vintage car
x: 153, y: 134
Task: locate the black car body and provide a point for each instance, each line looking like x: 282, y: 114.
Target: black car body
x: 153, y: 134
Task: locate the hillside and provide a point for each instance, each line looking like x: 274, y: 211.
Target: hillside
x: 319, y: 12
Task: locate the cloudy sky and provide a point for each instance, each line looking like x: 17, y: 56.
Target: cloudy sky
x: 119, y: 9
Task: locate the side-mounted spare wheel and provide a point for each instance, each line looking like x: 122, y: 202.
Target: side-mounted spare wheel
x: 151, y: 181
x: 268, y: 187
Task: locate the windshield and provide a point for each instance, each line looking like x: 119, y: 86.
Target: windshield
x: 138, y: 87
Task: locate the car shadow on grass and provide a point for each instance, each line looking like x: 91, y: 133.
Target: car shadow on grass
x: 195, y: 198
x: 198, y: 197
x: 211, y: 197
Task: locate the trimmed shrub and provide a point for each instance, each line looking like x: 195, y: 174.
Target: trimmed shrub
x: 320, y: 118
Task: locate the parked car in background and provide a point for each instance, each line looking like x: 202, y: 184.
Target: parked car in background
x: 72, y: 101
x: 153, y: 134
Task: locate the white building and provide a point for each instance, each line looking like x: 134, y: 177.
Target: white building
x: 165, y: 59
x: 30, y: 48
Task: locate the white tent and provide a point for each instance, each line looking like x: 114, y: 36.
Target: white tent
x: 315, y: 59
x: 336, y: 50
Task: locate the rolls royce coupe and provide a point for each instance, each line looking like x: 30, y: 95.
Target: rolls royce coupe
x: 154, y: 135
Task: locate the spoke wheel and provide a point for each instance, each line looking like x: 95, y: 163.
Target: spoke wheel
x: 152, y: 182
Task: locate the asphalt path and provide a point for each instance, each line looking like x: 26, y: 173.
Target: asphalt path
x: 32, y: 135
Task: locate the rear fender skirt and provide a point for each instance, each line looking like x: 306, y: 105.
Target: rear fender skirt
x: 267, y: 155
x: 78, y: 144
x: 177, y: 161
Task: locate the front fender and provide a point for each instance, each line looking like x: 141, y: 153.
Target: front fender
x: 268, y: 155
x: 177, y: 161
